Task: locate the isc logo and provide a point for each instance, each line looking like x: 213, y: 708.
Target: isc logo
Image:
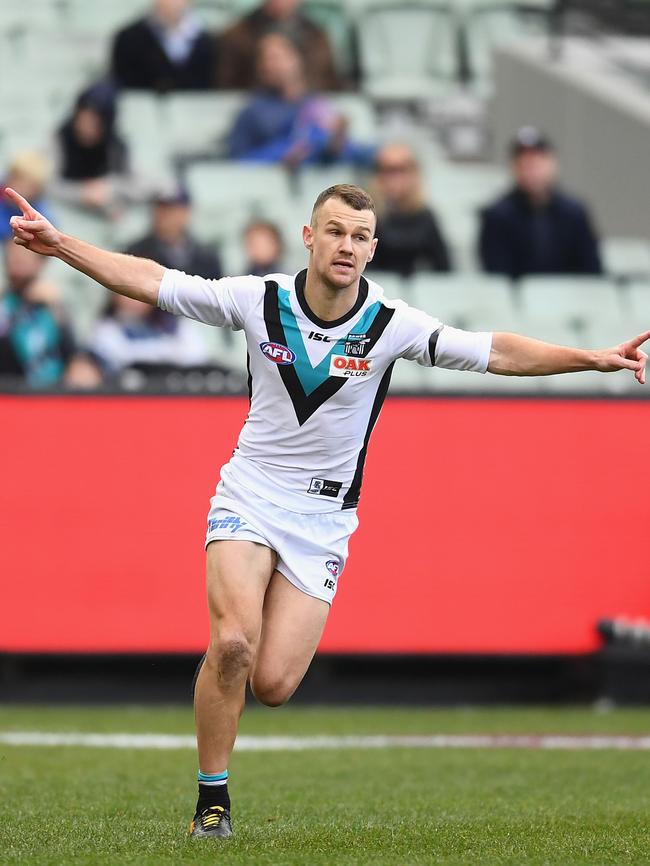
x: 278, y: 353
x: 341, y: 365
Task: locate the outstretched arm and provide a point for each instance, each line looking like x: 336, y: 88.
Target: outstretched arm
x: 513, y: 355
x: 127, y: 275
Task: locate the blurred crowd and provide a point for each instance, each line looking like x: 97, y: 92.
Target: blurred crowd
x: 285, y: 61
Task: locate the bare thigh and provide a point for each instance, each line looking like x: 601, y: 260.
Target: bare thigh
x: 238, y: 576
x: 292, y: 624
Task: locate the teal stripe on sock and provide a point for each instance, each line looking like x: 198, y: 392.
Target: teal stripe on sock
x: 216, y: 777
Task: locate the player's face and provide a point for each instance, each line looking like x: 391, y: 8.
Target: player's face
x: 341, y: 242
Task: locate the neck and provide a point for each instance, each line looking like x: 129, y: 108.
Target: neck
x: 327, y: 302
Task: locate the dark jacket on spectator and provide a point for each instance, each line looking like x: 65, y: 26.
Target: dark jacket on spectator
x: 190, y: 256
x: 238, y: 51
x: 140, y: 62
x: 517, y: 238
x: 409, y: 242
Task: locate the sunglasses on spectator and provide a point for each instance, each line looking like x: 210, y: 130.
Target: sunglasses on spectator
x: 395, y: 168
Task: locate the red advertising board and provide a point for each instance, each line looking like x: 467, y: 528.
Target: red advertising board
x: 487, y: 526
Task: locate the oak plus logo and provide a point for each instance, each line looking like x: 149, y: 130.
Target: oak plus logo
x: 342, y: 365
x: 278, y: 353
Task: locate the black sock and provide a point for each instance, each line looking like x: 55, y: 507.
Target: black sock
x: 212, y: 795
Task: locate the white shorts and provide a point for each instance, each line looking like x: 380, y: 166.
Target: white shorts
x: 312, y: 549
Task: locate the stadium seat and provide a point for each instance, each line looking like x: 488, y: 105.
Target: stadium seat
x: 200, y: 122
x: 487, y: 25
x: 626, y: 258
x: 82, y: 298
x: 227, y: 195
x: 637, y: 297
x: 462, y: 382
x: 141, y: 121
x: 574, y: 301
x: 360, y: 114
x: 471, y: 301
x: 390, y: 71
x: 408, y: 377
x: 103, y: 19
x: 333, y: 17
x: 393, y: 284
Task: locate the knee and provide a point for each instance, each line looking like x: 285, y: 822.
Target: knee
x: 230, y: 656
x: 272, y: 691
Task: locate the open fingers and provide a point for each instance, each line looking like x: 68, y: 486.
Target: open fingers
x: 23, y: 204
x: 635, y: 342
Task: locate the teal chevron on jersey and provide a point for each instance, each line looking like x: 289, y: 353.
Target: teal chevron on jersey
x: 311, y: 377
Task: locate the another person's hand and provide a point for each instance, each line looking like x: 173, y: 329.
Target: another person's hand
x: 32, y: 230
x: 96, y: 193
x: 626, y: 356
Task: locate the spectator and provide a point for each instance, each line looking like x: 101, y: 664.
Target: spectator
x: 92, y: 161
x: 28, y: 174
x: 536, y: 228
x: 285, y: 122
x: 36, y: 343
x: 166, y: 50
x: 408, y: 232
x: 264, y: 248
x: 132, y: 333
x: 169, y: 241
x: 239, y: 46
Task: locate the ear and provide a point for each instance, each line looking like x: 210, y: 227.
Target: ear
x: 308, y: 237
x: 373, y: 247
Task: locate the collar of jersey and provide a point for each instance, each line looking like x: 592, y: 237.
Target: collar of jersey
x: 311, y: 377
x: 300, y: 281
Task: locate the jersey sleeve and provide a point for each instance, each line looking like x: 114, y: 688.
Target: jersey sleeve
x: 426, y: 340
x: 225, y: 302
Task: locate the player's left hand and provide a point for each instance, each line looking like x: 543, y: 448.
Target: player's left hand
x: 627, y: 356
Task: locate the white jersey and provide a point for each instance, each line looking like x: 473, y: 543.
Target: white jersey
x: 316, y: 387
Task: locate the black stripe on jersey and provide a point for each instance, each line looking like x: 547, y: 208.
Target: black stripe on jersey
x: 250, y: 378
x: 306, y: 404
x: 351, y: 498
x: 433, y: 342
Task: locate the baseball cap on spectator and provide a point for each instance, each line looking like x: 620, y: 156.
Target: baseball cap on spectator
x: 172, y: 195
x: 529, y: 138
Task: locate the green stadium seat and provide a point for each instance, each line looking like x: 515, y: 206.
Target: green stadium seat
x: 394, y: 285
x: 489, y: 25
x: 227, y: 195
x: 470, y: 301
x: 573, y: 301
x: 103, y: 18
x: 141, y: 121
x: 408, y: 377
x: 360, y: 114
x: 335, y: 20
x: 627, y: 258
x: 200, y: 122
x: 638, y: 305
x: 407, y: 50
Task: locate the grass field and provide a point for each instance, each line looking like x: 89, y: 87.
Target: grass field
x: 399, y: 806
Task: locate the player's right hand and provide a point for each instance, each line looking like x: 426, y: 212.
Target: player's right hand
x: 31, y: 229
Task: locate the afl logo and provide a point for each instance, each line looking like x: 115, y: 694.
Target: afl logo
x: 278, y: 353
x: 333, y: 567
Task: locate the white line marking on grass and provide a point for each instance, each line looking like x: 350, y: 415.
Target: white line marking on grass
x: 297, y: 744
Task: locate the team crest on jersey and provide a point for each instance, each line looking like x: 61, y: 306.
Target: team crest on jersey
x: 278, y: 353
x: 346, y: 367
x: 332, y: 565
x: 357, y: 345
